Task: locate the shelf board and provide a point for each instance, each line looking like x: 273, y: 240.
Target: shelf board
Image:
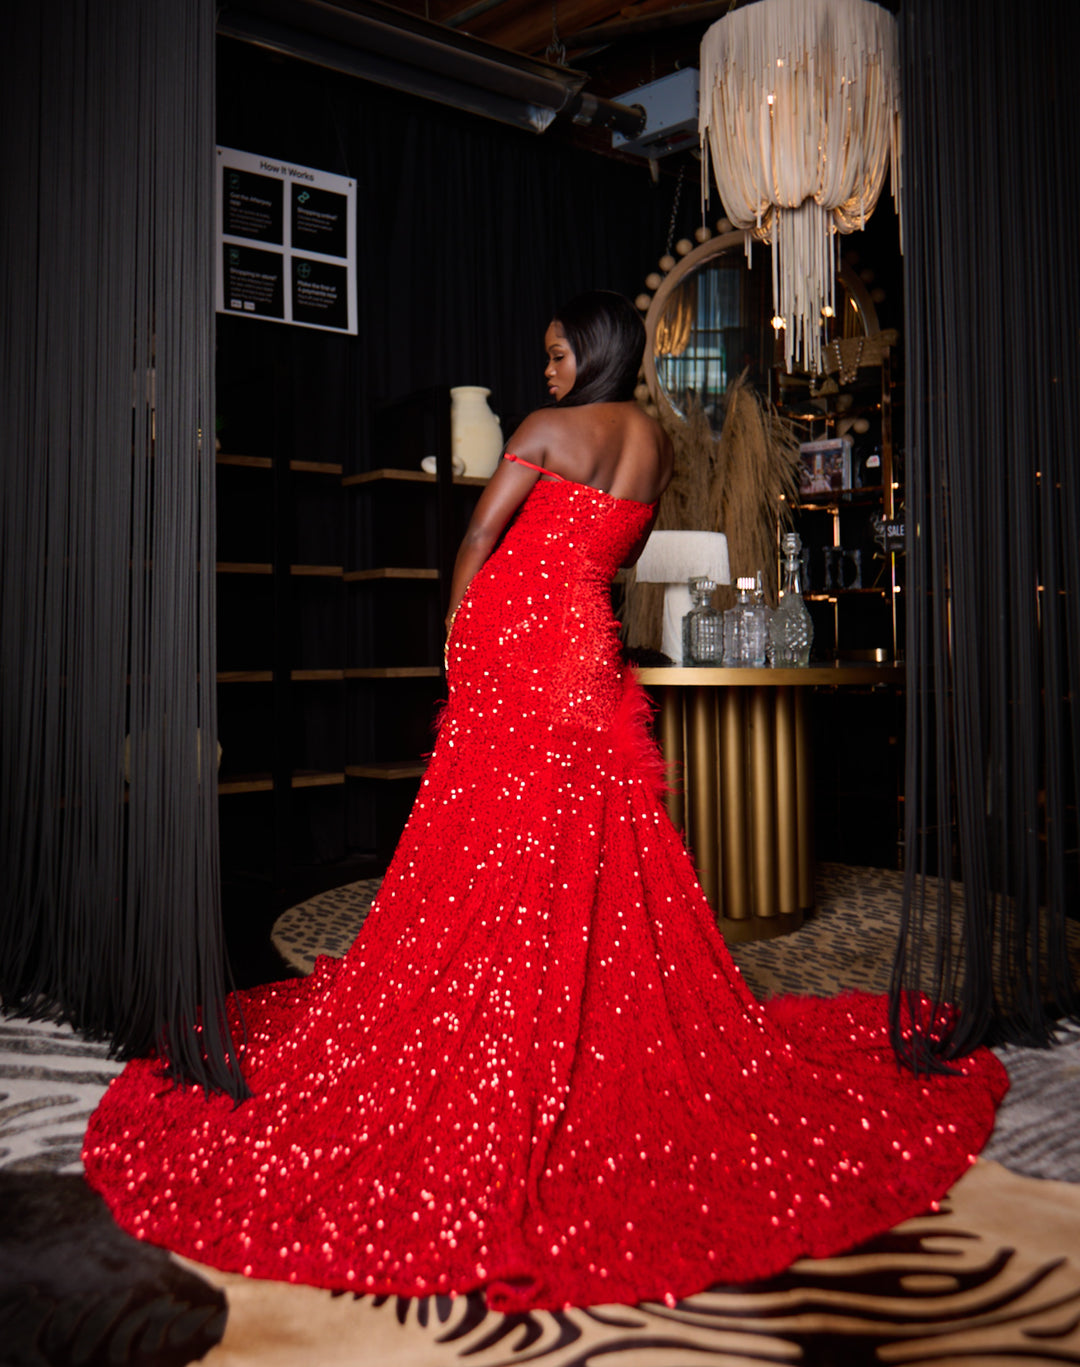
x: 245, y: 783
x: 249, y: 462
x: 840, y: 498
x: 263, y: 783
x: 396, y: 672
x: 387, y: 769
x: 243, y: 567
x: 310, y: 467
x: 409, y: 477
x: 316, y: 467
x: 260, y: 567
x: 228, y: 676
x: 312, y: 778
x: 842, y: 593
x: 385, y: 572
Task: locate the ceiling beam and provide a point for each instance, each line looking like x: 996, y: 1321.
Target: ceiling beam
x: 403, y: 52
x: 465, y: 16
x: 525, y: 25
x: 682, y: 17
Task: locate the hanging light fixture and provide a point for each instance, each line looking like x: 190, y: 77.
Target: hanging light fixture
x: 800, y: 110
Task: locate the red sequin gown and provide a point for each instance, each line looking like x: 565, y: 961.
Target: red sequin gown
x: 537, y: 1070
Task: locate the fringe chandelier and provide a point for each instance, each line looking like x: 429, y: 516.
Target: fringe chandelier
x: 800, y: 110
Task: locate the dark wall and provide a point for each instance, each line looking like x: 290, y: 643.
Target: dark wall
x: 470, y: 235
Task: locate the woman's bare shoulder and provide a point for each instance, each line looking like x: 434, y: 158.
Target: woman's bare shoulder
x: 645, y: 430
x: 534, y: 435
x: 561, y: 429
x: 589, y: 441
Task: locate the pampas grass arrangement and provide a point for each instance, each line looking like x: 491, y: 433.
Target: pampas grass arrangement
x: 742, y: 483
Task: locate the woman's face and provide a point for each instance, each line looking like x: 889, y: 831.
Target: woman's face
x: 561, y: 369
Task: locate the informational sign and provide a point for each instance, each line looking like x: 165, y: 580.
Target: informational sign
x: 286, y: 242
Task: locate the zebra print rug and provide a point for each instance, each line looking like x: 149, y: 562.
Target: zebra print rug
x: 993, y: 1277
x: 50, y: 1083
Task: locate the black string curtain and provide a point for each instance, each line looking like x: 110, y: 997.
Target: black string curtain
x: 112, y: 915
x: 993, y: 522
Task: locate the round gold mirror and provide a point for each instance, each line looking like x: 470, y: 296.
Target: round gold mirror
x: 711, y: 319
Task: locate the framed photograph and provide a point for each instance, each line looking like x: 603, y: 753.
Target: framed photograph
x: 826, y: 466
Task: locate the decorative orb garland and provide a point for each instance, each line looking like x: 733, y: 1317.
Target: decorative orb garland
x: 653, y: 281
x: 667, y: 262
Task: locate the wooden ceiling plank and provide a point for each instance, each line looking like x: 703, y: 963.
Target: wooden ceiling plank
x: 640, y: 26
x: 524, y: 26
x: 473, y: 12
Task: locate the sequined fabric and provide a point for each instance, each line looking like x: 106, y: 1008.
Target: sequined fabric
x: 537, y: 1070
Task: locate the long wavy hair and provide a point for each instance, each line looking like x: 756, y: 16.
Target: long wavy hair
x: 605, y: 332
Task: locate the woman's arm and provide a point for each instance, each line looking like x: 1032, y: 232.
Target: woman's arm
x: 506, y: 491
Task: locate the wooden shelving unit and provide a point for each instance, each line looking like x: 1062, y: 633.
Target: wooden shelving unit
x: 408, y: 526
x: 857, y: 732
x: 269, y: 566
x: 347, y: 710
x: 867, y: 615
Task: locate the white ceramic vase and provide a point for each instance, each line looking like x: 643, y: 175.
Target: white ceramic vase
x: 475, y: 432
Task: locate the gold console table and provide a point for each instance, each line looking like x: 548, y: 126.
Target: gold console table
x: 738, y: 741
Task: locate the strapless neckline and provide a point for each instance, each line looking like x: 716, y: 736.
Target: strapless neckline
x: 553, y: 476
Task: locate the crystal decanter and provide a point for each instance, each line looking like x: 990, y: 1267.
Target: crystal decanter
x: 703, y: 626
x: 791, y: 631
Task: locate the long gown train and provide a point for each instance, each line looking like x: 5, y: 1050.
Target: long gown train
x: 537, y: 1070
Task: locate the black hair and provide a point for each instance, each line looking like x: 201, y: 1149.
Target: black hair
x: 605, y: 332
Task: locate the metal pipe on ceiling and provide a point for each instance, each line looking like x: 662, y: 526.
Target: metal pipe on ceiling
x: 369, y: 66
x: 402, y: 52
x: 471, y: 12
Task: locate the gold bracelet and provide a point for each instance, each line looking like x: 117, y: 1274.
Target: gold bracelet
x: 449, y: 629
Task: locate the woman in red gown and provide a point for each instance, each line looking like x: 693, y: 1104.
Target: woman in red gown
x: 537, y: 1070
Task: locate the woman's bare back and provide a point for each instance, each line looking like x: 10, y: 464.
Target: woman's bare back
x: 615, y: 447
